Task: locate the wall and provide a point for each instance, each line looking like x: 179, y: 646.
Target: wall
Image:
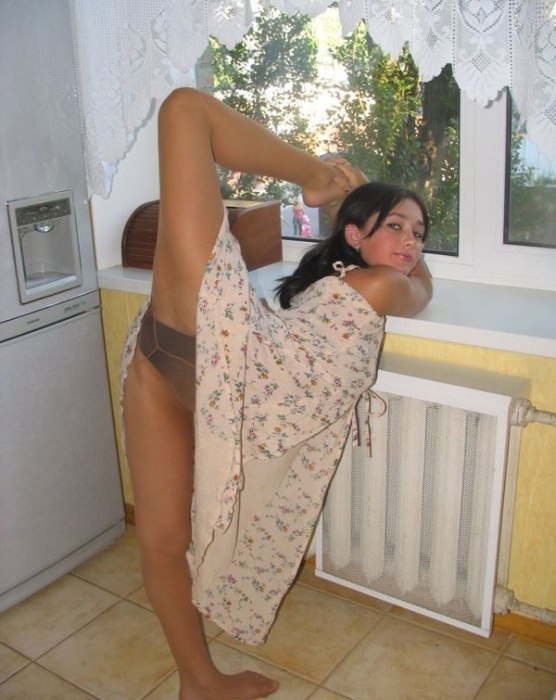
x: 135, y: 183
x: 118, y: 311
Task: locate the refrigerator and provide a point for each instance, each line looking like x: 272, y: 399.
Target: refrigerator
x: 60, y: 492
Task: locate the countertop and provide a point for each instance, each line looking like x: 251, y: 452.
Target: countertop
x: 501, y: 318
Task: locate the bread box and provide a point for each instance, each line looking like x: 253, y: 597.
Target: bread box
x: 256, y: 225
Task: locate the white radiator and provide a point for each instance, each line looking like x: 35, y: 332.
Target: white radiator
x: 414, y: 518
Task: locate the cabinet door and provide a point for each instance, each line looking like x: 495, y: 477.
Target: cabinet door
x: 59, y: 475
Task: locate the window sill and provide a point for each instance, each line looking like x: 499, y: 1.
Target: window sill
x: 500, y: 318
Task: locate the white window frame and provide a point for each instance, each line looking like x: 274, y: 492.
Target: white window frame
x: 483, y: 256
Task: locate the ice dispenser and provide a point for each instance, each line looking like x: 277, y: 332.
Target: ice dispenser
x: 45, y: 243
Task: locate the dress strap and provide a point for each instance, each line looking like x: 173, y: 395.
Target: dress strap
x: 366, y: 407
x: 341, y: 269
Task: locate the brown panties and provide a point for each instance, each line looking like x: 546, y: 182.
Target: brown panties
x: 172, y: 353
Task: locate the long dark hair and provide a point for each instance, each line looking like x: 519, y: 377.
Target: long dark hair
x: 366, y: 200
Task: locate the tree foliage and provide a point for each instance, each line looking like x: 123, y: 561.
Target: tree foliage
x: 531, y: 196
x: 269, y: 76
x: 398, y: 129
x: 379, y: 114
x: 382, y: 117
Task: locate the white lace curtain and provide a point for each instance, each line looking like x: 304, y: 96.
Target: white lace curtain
x: 131, y: 53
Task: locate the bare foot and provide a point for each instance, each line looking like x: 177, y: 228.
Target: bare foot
x: 328, y: 185
x: 247, y: 685
x: 352, y: 174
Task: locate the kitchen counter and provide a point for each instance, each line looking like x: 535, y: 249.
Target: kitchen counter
x: 490, y: 316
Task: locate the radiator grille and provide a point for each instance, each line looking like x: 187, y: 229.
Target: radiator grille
x: 412, y: 522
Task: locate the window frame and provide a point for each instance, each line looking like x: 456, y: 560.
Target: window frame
x: 483, y: 256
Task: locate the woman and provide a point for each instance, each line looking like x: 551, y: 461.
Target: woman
x: 274, y: 391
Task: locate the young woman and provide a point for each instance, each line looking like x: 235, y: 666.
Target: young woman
x: 274, y: 391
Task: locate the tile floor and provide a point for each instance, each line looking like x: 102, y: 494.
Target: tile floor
x: 92, y: 635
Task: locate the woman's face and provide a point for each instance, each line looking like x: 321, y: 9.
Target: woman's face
x: 398, y: 241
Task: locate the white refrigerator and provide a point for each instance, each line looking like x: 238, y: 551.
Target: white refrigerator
x: 60, y: 491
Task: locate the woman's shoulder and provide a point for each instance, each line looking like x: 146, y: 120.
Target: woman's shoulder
x: 387, y: 290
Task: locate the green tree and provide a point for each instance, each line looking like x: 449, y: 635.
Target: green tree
x: 531, y: 194
x: 269, y: 76
x: 381, y: 116
x: 398, y: 129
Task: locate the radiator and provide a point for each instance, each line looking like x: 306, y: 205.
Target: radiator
x: 414, y: 513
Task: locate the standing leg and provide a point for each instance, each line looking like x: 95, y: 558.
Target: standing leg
x: 159, y: 442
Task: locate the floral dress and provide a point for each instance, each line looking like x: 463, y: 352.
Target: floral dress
x: 274, y: 403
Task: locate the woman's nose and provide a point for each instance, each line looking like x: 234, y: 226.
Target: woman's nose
x: 408, y: 237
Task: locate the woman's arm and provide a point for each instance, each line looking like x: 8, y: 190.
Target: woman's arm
x: 423, y: 278
x: 390, y: 292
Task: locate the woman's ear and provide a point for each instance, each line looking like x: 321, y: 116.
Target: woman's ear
x: 353, y: 235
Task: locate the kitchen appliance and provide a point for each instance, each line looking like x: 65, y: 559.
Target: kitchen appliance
x: 46, y: 249
x: 60, y: 491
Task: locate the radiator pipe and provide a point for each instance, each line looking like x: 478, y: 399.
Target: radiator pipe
x: 521, y: 414
x: 505, y: 602
x: 524, y: 413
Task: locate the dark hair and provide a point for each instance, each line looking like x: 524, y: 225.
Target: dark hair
x: 366, y: 200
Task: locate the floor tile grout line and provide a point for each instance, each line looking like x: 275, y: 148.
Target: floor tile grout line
x: 497, y: 653
x: 450, y: 633
x: 537, y: 665
x: 488, y: 676
x: 157, y: 685
x: 87, y: 624
x: 503, y: 652
x: 353, y: 648
x: 511, y: 636
x: 63, y: 639
x: 83, y: 578
x: 74, y: 632
x: 339, y: 596
x: 11, y: 675
x: 253, y: 655
x: 321, y: 687
x: 56, y: 675
x: 392, y: 610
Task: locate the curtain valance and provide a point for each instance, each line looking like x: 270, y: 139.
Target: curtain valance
x: 130, y: 54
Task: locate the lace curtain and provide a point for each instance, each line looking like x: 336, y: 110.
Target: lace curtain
x: 131, y: 53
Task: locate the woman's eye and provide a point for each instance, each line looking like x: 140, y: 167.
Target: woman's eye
x: 418, y: 235
x: 394, y: 226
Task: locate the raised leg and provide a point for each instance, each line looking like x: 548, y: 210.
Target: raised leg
x: 195, y: 132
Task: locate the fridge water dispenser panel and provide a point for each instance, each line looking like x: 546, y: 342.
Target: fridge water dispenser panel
x: 45, y: 244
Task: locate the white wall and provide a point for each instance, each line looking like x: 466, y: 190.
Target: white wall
x: 135, y: 183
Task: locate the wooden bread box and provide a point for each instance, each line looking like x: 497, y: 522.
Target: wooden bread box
x: 256, y: 225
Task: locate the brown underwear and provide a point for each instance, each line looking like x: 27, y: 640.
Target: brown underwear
x: 172, y: 353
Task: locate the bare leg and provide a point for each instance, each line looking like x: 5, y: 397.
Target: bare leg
x: 159, y: 440
x: 194, y: 131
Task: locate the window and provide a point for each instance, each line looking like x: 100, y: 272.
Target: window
x: 341, y: 95
x: 531, y: 190
x: 484, y: 256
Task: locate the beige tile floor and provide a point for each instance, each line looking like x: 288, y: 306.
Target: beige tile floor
x: 92, y: 636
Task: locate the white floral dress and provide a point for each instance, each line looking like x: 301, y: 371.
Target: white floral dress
x: 274, y: 401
